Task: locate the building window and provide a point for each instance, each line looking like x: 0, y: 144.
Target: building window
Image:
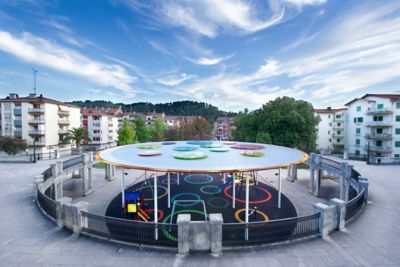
x: 379, y: 130
x: 378, y: 143
x: 330, y: 124
x: 358, y: 130
x: 397, y: 144
x: 338, y: 124
x: 338, y: 132
x: 360, y: 119
x: 397, y: 155
x: 338, y: 140
x: 330, y: 140
x: 355, y: 120
x: 358, y: 108
x: 397, y: 131
x: 329, y: 132
x: 357, y: 141
x: 357, y: 152
x: 378, y: 118
x: 397, y: 117
x: 380, y: 106
x: 398, y: 105
x: 329, y: 116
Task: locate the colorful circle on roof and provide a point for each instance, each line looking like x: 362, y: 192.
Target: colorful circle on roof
x: 168, y: 143
x: 252, y: 153
x: 148, y: 146
x: 198, y: 178
x: 185, y: 148
x: 229, y: 143
x: 212, y: 145
x: 248, y: 147
x: 220, y: 149
x: 150, y: 153
x: 188, y: 197
x: 190, y: 155
x: 199, y: 142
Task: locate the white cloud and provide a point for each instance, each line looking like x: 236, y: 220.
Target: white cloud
x: 207, y: 61
x: 159, y: 47
x: 40, y: 51
x: 174, y: 79
x: 300, y: 3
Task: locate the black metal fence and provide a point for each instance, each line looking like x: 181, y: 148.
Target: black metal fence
x: 72, y: 162
x: 129, y: 231
x: 355, y: 204
x: 16, y: 158
x: 234, y: 234
x: 47, y: 204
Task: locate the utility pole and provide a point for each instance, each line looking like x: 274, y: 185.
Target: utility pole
x: 34, y: 72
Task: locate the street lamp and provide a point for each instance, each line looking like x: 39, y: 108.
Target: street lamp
x: 34, y: 150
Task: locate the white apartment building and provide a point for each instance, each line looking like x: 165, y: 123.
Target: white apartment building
x: 41, y: 121
x: 223, y: 127
x: 373, y: 126
x: 102, y: 126
x: 331, y: 130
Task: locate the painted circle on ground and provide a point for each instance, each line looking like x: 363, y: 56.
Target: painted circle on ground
x: 212, y: 145
x: 269, y: 196
x: 252, y: 154
x: 158, y: 197
x: 211, y: 202
x: 229, y: 143
x: 185, y: 148
x: 191, y: 178
x: 220, y: 149
x: 212, y: 191
x: 189, y: 204
x: 248, y: 147
x: 160, y: 214
x: 148, y: 146
x: 237, y: 215
x: 168, y: 143
x: 150, y: 153
x: 171, y: 181
x: 190, y: 155
x: 199, y: 142
x: 167, y: 232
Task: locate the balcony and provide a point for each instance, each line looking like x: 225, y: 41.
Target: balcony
x: 63, y: 122
x: 63, y: 112
x: 336, y: 135
x: 336, y: 143
x: 381, y: 111
x: 17, y: 133
x: 64, y: 142
x: 63, y: 131
x: 379, y: 124
x: 341, y: 119
x: 36, y: 132
x: 17, y: 111
x: 379, y: 136
x: 36, y: 143
x: 35, y: 110
x: 335, y: 126
x: 379, y: 148
x: 36, y: 121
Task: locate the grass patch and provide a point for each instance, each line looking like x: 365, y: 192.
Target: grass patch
x: 99, y: 165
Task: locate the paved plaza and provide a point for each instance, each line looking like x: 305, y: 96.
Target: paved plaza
x: 29, y: 239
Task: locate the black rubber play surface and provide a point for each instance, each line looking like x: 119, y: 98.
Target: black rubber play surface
x: 216, y: 195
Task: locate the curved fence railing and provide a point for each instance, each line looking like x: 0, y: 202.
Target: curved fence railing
x: 355, y: 205
x: 238, y: 234
x: 48, y: 205
x: 130, y: 231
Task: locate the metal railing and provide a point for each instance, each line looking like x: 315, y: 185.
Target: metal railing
x: 355, y: 204
x: 271, y: 231
x: 130, y: 231
x: 16, y: 158
x: 48, y: 205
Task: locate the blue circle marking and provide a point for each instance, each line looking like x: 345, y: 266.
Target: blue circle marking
x: 199, y: 142
x: 188, y: 204
x: 209, y: 179
x: 185, y: 148
x: 210, y: 189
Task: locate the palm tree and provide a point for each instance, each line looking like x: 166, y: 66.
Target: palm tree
x: 78, y: 135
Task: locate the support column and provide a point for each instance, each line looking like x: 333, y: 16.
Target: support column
x: 315, y: 178
x: 77, y: 222
x: 363, y: 182
x: 57, y: 171
x: 216, y: 222
x: 169, y: 189
x: 177, y: 178
x: 233, y: 191
x: 123, y: 189
x: 345, y: 181
x: 279, y: 189
x: 328, y: 219
x: 340, y: 211
x: 246, y: 235
x: 38, y: 180
x: 183, y: 223
x: 61, y: 219
x: 155, y: 208
x: 292, y: 173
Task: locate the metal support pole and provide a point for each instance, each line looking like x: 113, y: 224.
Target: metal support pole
x: 169, y: 189
x: 123, y: 188
x: 234, y: 191
x: 177, y: 178
x: 279, y: 188
x: 247, y: 209
x: 155, y: 207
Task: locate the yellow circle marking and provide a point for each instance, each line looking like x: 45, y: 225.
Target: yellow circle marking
x: 158, y: 197
x: 237, y: 213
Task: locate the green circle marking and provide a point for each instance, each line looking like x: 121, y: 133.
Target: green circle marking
x: 220, y: 149
x: 166, y: 232
x: 190, y: 155
x: 211, y: 145
x: 148, y: 146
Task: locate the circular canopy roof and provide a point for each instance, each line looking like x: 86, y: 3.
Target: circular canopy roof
x: 230, y: 161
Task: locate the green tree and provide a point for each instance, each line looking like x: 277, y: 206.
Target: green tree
x: 126, y: 134
x: 142, y: 132
x: 12, y: 145
x: 245, y: 127
x: 77, y: 135
x: 264, y: 138
x: 157, y: 130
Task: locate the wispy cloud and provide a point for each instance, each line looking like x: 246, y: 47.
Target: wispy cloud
x: 207, y: 61
x: 174, y: 79
x: 40, y: 51
x: 159, y: 47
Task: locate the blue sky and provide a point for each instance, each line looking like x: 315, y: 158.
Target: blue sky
x: 231, y: 53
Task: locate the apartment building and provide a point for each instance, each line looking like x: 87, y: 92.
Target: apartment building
x: 331, y: 130
x: 41, y: 121
x: 150, y: 117
x: 223, y: 127
x: 373, y: 128
x: 102, y: 127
